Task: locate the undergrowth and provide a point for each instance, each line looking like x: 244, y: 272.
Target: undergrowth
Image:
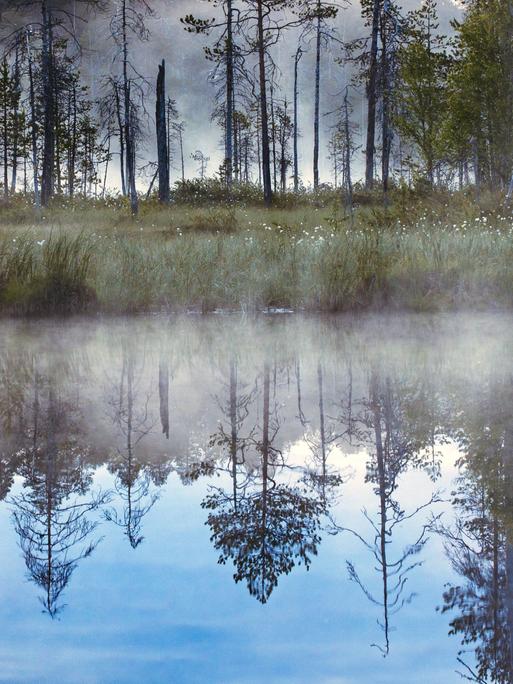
x: 434, y: 253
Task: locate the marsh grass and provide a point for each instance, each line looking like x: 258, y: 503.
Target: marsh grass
x: 46, y: 276
x: 436, y: 254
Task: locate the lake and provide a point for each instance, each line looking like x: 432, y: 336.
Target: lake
x: 279, y: 499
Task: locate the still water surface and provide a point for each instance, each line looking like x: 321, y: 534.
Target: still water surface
x: 283, y: 499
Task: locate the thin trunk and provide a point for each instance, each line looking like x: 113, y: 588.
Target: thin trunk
x: 386, y: 132
x: 322, y: 430
x: 347, y: 135
x: 16, y: 119
x: 121, y: 140
x: 380, y: 457
x: 477, y: 172
x: 273, y: 134
x: 162, y: 151
x: 106, y: 166
x: 296, y: 162
x: 264, y: 124
x: 235, y: 147
x: 181, y: 154
x: 57, y: 134
x: 233, y: 425
x: 164, y: 397
x: 265, y: 472
x: 47, y: 66
x: 317, y: 98
x: 258, y: 149
x: 33, y: 133
x: 372, y: 97
x: 5, y: 129
x: 73, y: 151
x: 508, y: 449
x: 229, y: 95
x: 168, y: 139
x: 129, y: 138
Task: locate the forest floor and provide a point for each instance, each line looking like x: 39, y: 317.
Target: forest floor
x: 419, y: 254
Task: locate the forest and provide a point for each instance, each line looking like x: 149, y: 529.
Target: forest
x: 413, y: 210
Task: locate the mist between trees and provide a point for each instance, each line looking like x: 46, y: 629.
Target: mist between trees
x: 438, y: 108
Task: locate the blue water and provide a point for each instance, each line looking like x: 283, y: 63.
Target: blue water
x: 84, y: 409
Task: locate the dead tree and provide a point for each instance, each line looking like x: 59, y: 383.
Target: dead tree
x: 160, y: 118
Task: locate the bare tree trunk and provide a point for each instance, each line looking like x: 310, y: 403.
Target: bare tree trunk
x: 105, y: 175
x: 47, y: 66
x: 129, y: 138
x: 317, y: 98
x: 57, y: 134
x: 121, y: 141
x: 162, y: 152
x: 181, y: 154
x: 16, y: 132
x: 283, y: 169
x: 5, y: 131
x: 386, y: 129
x: 347, y: 135
x: 229, y: 95
x: 73, y: 150
x: 33, y: 135
x: 273, y: 133
x: 295, y: 133
x: 236, y: 165
x: 168, y: 136
x: 372, y: 98
x: 477, y: 172
x: 264, y: 123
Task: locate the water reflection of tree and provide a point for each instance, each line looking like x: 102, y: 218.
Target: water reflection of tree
x: 52, y: 512
x: 230, y: 439
x: 263, y: 526
x: 321, y: 443
x: 133, y: 481
x: 480, y: 542
x: 164, y: 396
x: 16, y: 378
x: 396, y: 444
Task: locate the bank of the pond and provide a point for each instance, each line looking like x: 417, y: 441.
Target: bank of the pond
x: 320, y: 269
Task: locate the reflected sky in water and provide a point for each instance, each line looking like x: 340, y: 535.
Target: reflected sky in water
x: 284, y: 499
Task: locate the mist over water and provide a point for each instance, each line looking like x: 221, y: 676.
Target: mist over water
x: 353, y: 476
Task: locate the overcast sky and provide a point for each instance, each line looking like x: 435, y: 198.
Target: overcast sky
x: 188, y: 71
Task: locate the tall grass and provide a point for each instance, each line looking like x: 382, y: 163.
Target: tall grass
x: 46, y: 276
x: 430, y: 255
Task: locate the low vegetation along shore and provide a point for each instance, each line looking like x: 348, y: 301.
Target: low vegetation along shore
x: 419, y: 254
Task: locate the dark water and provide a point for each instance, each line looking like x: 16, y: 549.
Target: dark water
x: 281, y: 500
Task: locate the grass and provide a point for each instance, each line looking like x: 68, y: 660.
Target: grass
x: 434, y: 253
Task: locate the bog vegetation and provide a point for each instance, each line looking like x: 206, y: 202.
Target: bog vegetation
x: 439, y: 253
x: 427, y: 226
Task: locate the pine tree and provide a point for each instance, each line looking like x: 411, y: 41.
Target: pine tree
x: 421, y: 90
x: 479, y: 126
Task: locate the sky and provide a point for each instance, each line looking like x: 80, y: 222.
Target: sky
x: 188, y: 77
x: 167, y: 611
